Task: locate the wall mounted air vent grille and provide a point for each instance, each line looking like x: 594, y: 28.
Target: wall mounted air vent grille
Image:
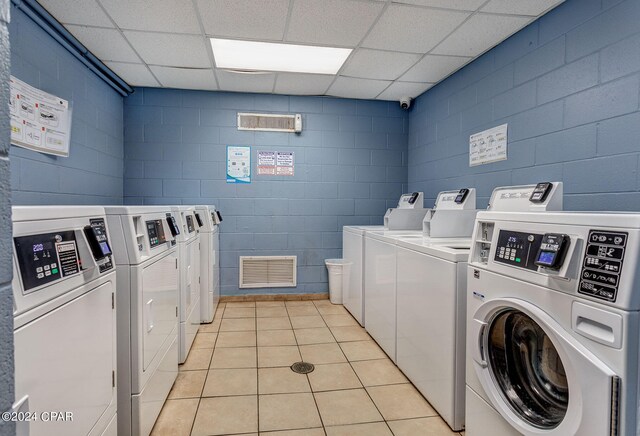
x: 267, y: 271
x: 270, y: 122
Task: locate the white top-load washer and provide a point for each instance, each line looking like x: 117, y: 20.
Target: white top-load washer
x: 147, y: 305
x: 408, y: 215
x: 380, y: 265
x: 189, y: 277
x: 64, y: 321
x: 552, y: 325
x: 431, y: 291
x: 208, y: 218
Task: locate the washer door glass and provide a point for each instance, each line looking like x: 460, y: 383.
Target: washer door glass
x: 528, y: 370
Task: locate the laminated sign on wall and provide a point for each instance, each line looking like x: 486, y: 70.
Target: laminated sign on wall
x: 39, y: 121
x: 284, y: 163
x: 238, y: 164
x: 488, y: 146
x: 267, y: 163
x: 276, y: 163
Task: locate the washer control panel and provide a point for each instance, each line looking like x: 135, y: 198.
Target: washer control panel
x: 155, y: 231
x: 518, y: 249
x: 552, y: 251
x: 96, y: 233
x: 602, y: 264
x: 190, y: 224
x: 46, y: 257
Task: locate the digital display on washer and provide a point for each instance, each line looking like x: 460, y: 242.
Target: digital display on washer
x: 602, y: 264
x: 155, y: 231
x: 546, y: 257
x: 46, y: 257
x: 518, y: 249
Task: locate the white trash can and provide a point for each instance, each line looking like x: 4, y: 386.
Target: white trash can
x: 335, y: 266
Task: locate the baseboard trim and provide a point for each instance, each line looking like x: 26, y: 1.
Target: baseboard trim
x: 273, y: 297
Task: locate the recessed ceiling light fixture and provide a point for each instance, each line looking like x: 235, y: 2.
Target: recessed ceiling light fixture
x: 268, y: 56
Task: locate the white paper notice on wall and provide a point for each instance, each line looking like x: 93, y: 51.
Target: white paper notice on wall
x: 39, y: 121
x: 285, y: 163
x: 267, y: 163
x: 488, y: 146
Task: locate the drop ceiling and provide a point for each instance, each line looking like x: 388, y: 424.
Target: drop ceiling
x: 400, y: 47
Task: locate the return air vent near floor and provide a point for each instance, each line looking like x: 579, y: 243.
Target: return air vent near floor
x: 267, y: 271
x: 270, y: 122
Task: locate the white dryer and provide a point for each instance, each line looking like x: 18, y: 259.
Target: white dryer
x: 189, y: 273
x: 147, y: 304
x: 353, y: 239
x: 552, y: 325
x: 64, y: 283
x: 208, y: 219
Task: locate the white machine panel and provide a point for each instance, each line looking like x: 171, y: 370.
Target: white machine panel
x: 209, y: 262
x: 64, y: 320
x: 147, y: 303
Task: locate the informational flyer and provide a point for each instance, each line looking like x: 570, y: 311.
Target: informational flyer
x: 238, y: 164
x: 39, y: 121
x: 285, y: 163
x: 267, y: 163
x: 488, y: 146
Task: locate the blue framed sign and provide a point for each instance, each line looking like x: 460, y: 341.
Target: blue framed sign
x: 238, y: 164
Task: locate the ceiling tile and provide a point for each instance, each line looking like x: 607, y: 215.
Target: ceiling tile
x: 461, y: 5
x: 185, y: 78
x: 397, y: 90
x: 170, y: 50
x: 106, y: 44
x: 480, y: 33
x: 349, y: 87
x: 303, y: 84
x: 245, y: 19
x: 243, y: 82
x: 333, y: 22
x: 433, y: 68
x: 412, y: 29
x: 86, y: 12
x: 376, y: 64
x: 159, y: 15
x: 521, y: 7
x: 133, y: 74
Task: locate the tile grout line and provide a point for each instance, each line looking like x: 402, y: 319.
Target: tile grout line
x: 307, y: 375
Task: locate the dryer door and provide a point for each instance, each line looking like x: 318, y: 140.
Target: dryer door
x: 537, y: 376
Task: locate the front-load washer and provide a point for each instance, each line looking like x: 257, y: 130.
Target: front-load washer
x: 189, y: 278
x: 431, y: 287
x: 147, y: 305
x: 64, y: 284
x: 209, y: 262
x: 552, y: 324
x: 353, y: 239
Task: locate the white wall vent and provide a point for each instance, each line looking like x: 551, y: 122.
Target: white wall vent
x: 270, y: 122
x: 268, y: 271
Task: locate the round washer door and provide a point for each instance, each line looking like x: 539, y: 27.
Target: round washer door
x: 538, y: 377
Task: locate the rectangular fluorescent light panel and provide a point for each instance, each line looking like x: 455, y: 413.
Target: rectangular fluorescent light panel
x: 268, y: 56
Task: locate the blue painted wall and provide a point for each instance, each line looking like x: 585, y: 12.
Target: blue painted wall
x: 93, y: 173
x: 6, y: 296
x: 350, y: 165
x: 568, y: 85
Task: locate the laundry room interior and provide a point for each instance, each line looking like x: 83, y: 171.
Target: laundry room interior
x: 320, y: 217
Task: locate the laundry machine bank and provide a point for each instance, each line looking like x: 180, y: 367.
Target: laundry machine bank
x: 553, y: 324
x: 208, y: 220
x: 407, y: 216
x: 147, y: 312
x: 188, y: 240
x: 64, y: 321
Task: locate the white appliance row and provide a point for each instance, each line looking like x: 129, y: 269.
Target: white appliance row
x: 99, y: 294
x: 415, y: 288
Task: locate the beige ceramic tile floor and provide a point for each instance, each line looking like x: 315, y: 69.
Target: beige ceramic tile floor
x: 237, y: 380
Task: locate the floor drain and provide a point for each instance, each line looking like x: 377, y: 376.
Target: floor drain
x: 302, y: 367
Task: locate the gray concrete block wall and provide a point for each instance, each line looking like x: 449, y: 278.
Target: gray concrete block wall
x: 6, y: 297
x: 568, y: 85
